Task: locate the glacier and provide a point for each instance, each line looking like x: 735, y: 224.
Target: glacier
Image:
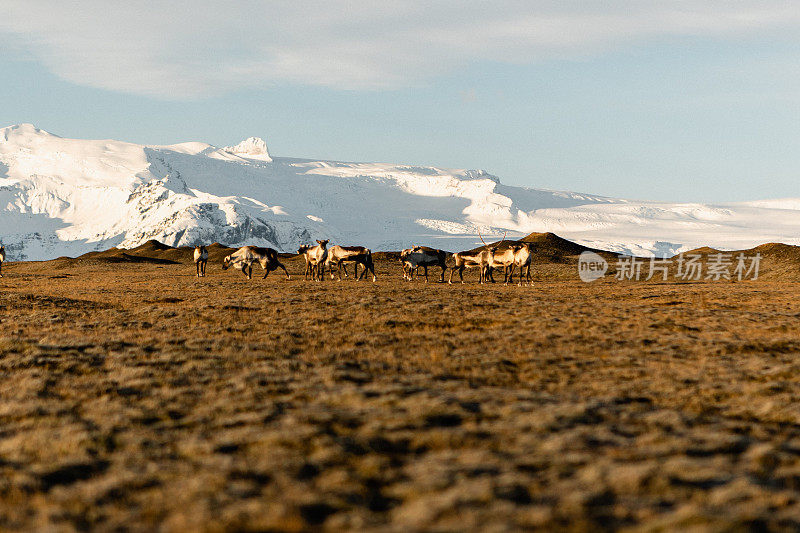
x: 62, y: 196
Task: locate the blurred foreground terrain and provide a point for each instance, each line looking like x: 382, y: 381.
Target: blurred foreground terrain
x: 135, y: 396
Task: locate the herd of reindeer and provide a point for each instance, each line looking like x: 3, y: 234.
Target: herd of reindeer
x: 336, y: 258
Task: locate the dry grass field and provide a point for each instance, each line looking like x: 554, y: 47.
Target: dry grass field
x: 134, y: 396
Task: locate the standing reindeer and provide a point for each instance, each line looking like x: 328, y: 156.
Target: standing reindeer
x: 315, y: 257
x: 523, y: 258
x: 2, y: 258
x: 200, y: 260
x: 501, y: 259
x: 481, y: 259
x: 339, y: 255
x: 472, y: 259
x: 422, y: 256
x: 244, y: 257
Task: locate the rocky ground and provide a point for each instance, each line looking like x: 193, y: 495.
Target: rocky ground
x: 134, y: 395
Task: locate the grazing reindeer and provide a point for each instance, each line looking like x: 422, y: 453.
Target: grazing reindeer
x: 244, y: 257
x: 523, y: 258
x: 501, y: 259
x: 422, y: 256
x: 200, y: 260
x: 339, y: 255
x: 2, y: 258
x: 408, y: 269
x: 315, y: 257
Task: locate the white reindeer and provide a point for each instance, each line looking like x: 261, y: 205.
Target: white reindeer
x: 481, y: 258
x: 501, y: 259
x: 477, y: 259
x: 315, y: 257
x: 523, y: 258
x: 200, y: 260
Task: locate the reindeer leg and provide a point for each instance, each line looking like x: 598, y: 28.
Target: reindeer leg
x: 284, y: 270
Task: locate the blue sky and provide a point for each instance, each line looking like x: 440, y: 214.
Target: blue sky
x: 647, y: 100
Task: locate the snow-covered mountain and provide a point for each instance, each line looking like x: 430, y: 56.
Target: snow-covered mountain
x: 69, y: 196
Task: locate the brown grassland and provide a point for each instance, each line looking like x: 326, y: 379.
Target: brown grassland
x: 135, y: 396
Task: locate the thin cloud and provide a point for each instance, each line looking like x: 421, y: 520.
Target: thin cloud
x: 189, y: 50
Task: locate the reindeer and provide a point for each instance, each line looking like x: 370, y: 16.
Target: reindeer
x: 315, y: 257
x: 501, y: 259
x: 422, y: 256
x: 408, y: 269
x: 2, y: 258
x: 339, y: 255
x: 523, y: 258
x: 200, y: 260
x: 481, y: 258
x: 472, y: 259
x: 244, y: 257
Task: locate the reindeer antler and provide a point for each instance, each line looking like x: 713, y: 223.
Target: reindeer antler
x: 481, y: 236
x: 504, y: 236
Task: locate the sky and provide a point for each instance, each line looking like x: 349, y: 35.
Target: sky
x: 679, y: 101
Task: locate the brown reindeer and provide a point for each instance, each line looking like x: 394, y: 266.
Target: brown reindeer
x: 244, y: 257
x: 200, y: 260
x: 339, y: 255
x: 2, y: 258
x: 315, y: 257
